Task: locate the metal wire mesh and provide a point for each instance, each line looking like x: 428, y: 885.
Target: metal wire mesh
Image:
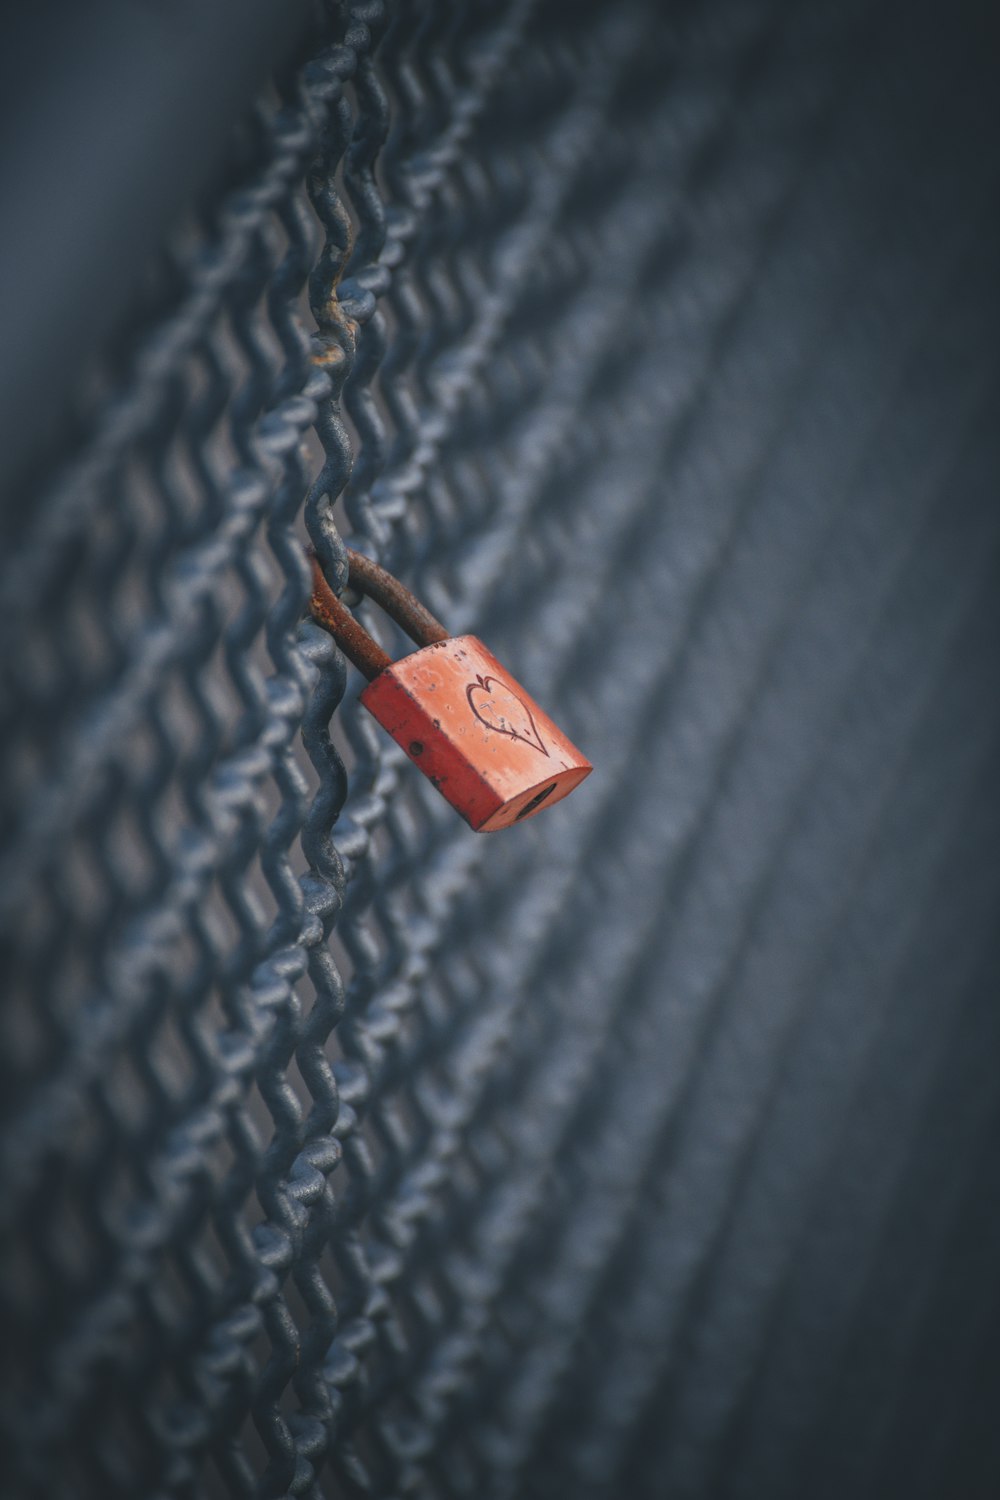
x: 642, y: 1151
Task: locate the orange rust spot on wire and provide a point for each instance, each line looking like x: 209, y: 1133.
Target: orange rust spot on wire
x: 328, y: 356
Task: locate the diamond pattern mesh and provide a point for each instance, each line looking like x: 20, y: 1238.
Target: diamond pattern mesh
x: 640, y: 1151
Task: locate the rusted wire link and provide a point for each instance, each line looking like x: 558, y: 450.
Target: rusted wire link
x: 397, y: 601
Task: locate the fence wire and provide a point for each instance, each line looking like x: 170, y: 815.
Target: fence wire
x: 644, y: 1150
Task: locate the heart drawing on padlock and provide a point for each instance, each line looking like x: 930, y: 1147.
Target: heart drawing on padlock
x: 501, y: 710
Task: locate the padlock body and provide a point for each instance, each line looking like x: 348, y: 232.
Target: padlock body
x: 475, y: 732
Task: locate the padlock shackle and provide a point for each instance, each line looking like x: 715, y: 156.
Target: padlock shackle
x: 397, y: 601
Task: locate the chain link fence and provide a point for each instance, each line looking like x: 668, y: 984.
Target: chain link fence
x: 646, y: 1149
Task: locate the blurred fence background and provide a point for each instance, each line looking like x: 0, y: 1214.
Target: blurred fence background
x: 646, y: 1150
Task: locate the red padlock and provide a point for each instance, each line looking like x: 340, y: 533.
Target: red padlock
x: 486, y: 746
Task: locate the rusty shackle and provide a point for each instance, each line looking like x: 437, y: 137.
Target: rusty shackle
x: 386, y: 591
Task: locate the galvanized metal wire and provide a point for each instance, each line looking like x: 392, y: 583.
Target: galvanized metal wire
x: 644, y: 1150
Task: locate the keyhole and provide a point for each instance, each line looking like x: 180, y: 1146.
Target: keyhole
x: 536, y: 801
